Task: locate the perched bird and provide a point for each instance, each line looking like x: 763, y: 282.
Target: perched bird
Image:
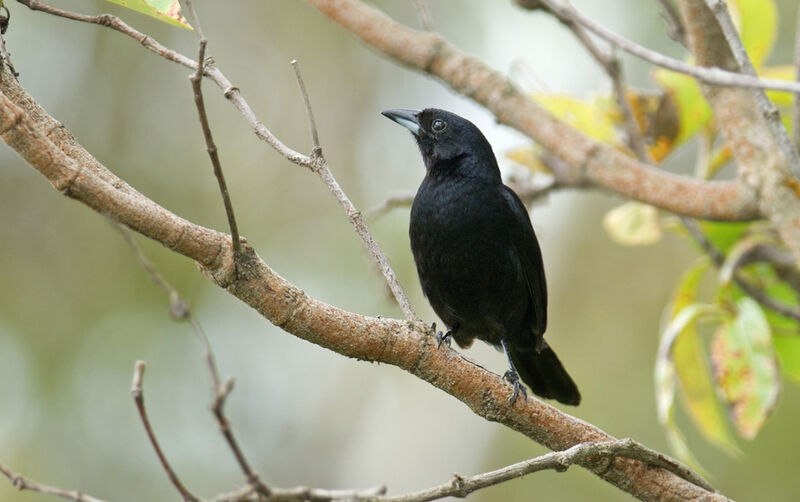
x: 478, y: 260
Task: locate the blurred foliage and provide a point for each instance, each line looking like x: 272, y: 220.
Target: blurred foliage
x: 743, y: 353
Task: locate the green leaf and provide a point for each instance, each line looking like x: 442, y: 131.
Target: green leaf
x: 723, y: 234
x: 633, y: 224
x: 691, y: 365
x: 745, y: 367
x: 757, y: 21
x: 168, y: 11
x: 764, y: 276
x: 788, y: 350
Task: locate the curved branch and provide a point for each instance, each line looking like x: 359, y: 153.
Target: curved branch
x: 593, y: 161
x: 407, y: 345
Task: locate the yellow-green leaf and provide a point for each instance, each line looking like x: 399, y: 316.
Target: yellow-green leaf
x: 666, y: 376
x: 595, y: 118
x: 745, y: 367
x: 692, y: 369
x: 724, y: 234
x: 168, y: 11
x: 633, y: 224
x: 757, y: 21
x: 788, y: 350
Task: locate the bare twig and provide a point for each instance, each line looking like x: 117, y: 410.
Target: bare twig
x: 461, y: 486
x: 233, y: 94
x: 714, y: 76
x: 745, y: 285
x: 392, y: 202
x: 768, y: 109
x: 138, y: 399
x: 424, y: 14
x: 21, y: 483
x: 211, y: 147
x: 319, y: 165
x: 312, y: 124
x: 613, y: 68
x: 219, y: 390
x: 676, y: 31
x: 178, y: 307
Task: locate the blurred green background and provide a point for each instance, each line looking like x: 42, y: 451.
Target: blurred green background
x: 76, y: 310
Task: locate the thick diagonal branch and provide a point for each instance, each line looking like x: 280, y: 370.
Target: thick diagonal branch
x: 592, y: 161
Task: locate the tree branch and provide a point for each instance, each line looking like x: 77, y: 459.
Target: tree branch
x: 590, y: 161
x: 772, y: 117
x: 211, y: 147
x: 461, y: 486
x: 713, y: 76
x: 410, y: 346
x: 739, y: 117
x: 21, y: 483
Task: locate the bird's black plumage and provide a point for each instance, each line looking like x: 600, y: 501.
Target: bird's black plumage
x: 477, y: 256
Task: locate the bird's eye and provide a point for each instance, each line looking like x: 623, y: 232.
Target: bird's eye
x: 438, y: 125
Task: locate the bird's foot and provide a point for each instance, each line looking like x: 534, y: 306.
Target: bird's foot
x: 443, y: 338
x: 513, y: 379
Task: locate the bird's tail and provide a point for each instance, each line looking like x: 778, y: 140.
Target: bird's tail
x: 545, y: 374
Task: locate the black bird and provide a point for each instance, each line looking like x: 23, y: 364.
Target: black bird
x: 478, y: 259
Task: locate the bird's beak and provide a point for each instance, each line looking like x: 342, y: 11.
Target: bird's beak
x: 406, y: 118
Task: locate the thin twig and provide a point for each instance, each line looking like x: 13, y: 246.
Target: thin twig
x: 750, y: 289
x: 391, y: 202
x: 211, y: 147
x: 613, y: 68
x: 138, y: 399
x: 217, y: 408
x: 424, y: 14
x: 319, y: 165
x: 461, y: 486
x: 312, y: 124
x: 676, y: 30
x: 796, y: 105
x: 178, y: 307
x: 234, y: 95
x: 219, y: 390
x: 768, y: 109
x: 21, y: 483
x: 714, y: 76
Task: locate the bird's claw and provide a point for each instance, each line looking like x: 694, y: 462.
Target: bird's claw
x: 443, y: 338
x: 513, y: 379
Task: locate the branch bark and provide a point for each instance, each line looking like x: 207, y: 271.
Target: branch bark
x: 592, y: 161
x: 739, y: 116
x: 407, y: 345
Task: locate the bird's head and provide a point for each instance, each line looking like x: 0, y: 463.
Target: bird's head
x: 448, y: 141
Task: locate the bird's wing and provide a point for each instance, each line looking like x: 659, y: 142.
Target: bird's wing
x: 531, y: 258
